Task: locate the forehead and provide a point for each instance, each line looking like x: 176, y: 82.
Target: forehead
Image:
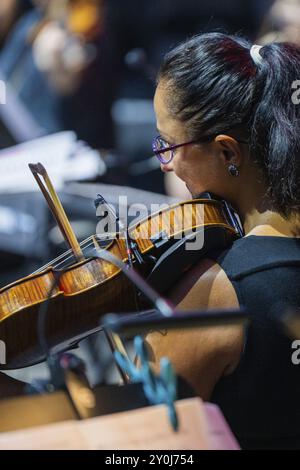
x: 166, y: 123
x: 161, y: 101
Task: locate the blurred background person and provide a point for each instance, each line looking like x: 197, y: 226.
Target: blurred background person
x: 282, y: 23
x: 54, y: 61
x: 10, y: 12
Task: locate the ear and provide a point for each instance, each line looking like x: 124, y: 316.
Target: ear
x: 230, y: 149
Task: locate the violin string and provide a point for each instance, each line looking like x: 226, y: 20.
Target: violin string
x: 71, y: 253
x: 52, y: 262
x: 71, y: 256
x: 60, y: 259
x: 67, y: 255
x: 68, y: 252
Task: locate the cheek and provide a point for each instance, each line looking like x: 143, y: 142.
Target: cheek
x: 181, y: 170
x: 186, y: 169
x: 198, y: 171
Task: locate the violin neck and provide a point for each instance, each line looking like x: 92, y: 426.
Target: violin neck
x: 56, y: 208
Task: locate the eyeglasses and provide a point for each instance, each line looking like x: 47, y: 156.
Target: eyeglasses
x: 165, y: 152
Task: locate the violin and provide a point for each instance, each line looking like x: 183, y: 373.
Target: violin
x: 78, y: 288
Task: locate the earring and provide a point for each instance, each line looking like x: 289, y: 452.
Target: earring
x: 233, y: 170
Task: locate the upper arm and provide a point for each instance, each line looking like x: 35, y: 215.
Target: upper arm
x: 201, y: 355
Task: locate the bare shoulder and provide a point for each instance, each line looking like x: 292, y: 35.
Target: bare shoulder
x: 205, y: 286
x: 203, y: 355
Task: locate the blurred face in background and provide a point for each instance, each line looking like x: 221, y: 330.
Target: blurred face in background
x: 282, y: 22
x: 8, y: 12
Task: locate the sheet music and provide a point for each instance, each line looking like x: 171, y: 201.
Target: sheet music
x: 64, y: 158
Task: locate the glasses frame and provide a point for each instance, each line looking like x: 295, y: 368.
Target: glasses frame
x: 157, y: 152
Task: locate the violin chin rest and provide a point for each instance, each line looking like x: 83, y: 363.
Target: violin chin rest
x: 185, y: 252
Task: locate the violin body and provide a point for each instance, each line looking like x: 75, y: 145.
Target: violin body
x: 82, y: 295
x: 77, y: 296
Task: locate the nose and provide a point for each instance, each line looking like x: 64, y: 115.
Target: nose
x: 166, y: 167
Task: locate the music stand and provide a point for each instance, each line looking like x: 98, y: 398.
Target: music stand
x: 139, y: 323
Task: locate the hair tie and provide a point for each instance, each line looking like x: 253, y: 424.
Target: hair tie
x: 256, y: 57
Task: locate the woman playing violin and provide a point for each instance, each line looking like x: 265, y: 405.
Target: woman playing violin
x: 228, y: 118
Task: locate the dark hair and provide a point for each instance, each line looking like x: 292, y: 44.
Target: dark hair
x: 217, y: 87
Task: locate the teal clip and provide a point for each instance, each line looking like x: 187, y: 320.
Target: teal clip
x: 158, y: 388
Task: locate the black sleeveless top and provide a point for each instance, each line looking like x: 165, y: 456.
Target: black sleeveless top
x: 261, y: 398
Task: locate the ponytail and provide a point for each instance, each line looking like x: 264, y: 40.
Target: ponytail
x: 275, y: 132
